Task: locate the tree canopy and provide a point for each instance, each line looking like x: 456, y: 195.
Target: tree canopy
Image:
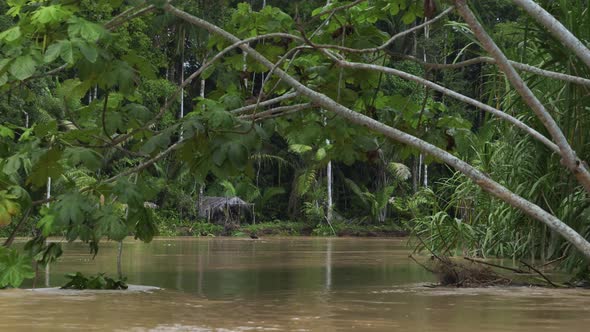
x: 435, y: 116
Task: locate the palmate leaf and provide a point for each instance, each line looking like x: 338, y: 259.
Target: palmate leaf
x: 14, y: 268
x: 72, y: 208
x: 157, y: 142
x: 237, y: 154
x: 83, y: 156
x: 120, y: 74
x: 79, y: 27
x: 47, y: 166
x: 45, y: 224
x: 50, y: 15
x: 128, y: 192
x: 110, y: 223
x: 49, y: 253
x: 9, y: 207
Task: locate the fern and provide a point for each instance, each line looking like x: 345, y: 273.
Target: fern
x: 305, y: 181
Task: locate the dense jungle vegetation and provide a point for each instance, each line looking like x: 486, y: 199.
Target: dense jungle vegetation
x: 118, y: 117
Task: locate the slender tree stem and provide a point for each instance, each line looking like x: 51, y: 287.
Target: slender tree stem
x: 17, y: 228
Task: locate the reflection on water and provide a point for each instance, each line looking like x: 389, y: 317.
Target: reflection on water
x: 305, y: 284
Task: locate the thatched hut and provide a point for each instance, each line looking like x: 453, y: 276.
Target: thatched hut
x: 226, y: 209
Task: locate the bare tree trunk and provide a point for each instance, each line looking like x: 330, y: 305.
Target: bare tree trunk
x: 329, y: 180
x: 119, y: 257
x: 181, y: 114
x: 48, y: 192
x: 481, y: 179
x: 202, y: 187
x: 415, y: 176
x: 427, y: 36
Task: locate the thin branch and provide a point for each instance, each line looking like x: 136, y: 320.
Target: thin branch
x: 494, y: 265
x: 390, y: 40
x: 481, y: 179
x: 294, y: 52
x: 149, y: 162
x: 485, y: 59
x: 104, y: 116
x: 502, y: 115
x: 422, y: 265
x: 123, y: 15
x: 568, y: 155
x: 332, y: 11
x: 556, y: 29
x: 540, y: 273
x: 265, y: 103
x: 554, y: 261
x: 277, y: 111
x: 142, y: 12
x: 194, y: 75
x: 17, y: 228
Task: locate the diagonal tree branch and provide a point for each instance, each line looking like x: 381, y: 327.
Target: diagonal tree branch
x: 485, y: 59
x: 451, y: 93
x: 189, y: 79
x: 265, y: 103
x: 568, y: 155
x: 391, y: 39
x: 277, y: 111
x: 477, y: 176
x: 557, y: 29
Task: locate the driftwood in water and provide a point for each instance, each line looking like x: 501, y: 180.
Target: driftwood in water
x: 478, y: 273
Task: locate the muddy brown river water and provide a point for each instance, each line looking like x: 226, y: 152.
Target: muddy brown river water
x: 278, y: 284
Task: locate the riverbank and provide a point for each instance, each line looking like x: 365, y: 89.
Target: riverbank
x: 281, y: 228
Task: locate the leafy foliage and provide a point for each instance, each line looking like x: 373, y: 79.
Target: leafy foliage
x: 14, y: 268
x: 99, y: 281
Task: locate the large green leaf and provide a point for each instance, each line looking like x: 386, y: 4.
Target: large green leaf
x: 83, y: 156
x: 14, y: 268
x: 79, y: 27
x: 50, y: 15
x: 6, y: 132
x: 11, y: 34
x: 47, y: 166
x: 157, y: 142
x: 72, y: 208
x: 110, y: 223
x: 52, y: 52
x: 145, y: 228
x: 88, y: 51
x: 23, y: 67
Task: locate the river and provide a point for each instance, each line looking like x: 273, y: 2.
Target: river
x: 278, y: 284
